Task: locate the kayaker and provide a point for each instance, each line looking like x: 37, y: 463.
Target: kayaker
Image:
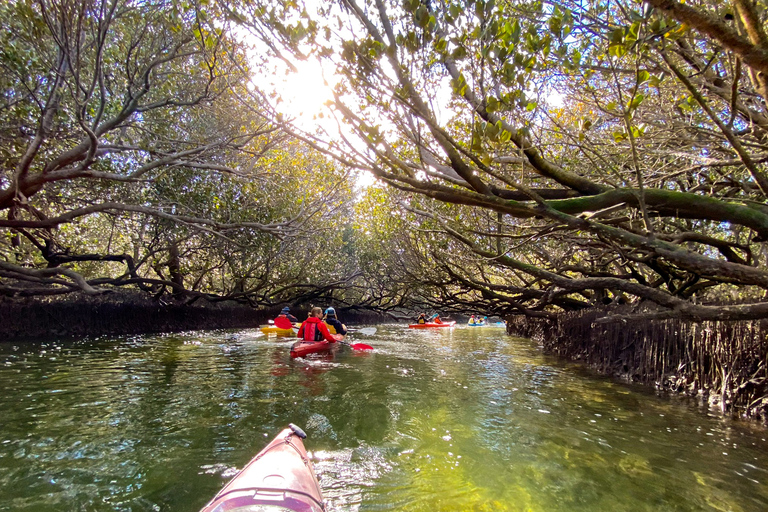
x: 472, y: 320
x: 436, y: 319
x: 314, y: 329
x: 332, y: 321
x: 285, y: 319
x: 422, y: 318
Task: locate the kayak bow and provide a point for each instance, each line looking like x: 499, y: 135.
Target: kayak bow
x: 280, y: 479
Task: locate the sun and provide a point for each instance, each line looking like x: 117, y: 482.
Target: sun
x: 304, y: 94
x: 301, y: 96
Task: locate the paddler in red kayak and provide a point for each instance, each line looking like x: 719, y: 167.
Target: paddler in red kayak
x: 314, y: 329
x: 422, y: 318
x: 334, y: 325
x: 436, y: 319
x: 285, y: 319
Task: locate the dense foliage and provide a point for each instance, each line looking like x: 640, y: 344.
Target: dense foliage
x: 134, y: 152
x: 532, y: 156
x: 557, y: 155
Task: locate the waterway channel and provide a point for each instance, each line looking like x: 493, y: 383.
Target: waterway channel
x: 464, y: 419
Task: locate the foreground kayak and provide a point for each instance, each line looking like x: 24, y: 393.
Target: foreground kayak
x: 303, y: 348
x: 271, y: 329
x: 429, y: 325
x: 279, y: 479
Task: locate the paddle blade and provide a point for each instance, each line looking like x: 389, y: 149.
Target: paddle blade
x: 283, y: 323
x: 370, y: 331
x: 360, y: 346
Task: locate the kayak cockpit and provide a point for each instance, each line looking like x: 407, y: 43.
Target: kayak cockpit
x: 264, y: 500
x: 279, y: 479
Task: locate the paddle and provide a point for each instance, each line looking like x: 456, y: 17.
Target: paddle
x: 356, y: 346
x: 369, y: 331
x: 360, y: 346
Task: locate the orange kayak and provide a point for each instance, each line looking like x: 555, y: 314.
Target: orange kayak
x: 429, y: 325
x: 280, y: 477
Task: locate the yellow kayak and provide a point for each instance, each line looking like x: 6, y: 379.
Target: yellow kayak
x: 276, y: 331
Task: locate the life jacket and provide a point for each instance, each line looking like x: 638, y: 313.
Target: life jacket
x: 282, y: 322
x: 331, y: 328
x: 421, y: 320
x: 310, y: 330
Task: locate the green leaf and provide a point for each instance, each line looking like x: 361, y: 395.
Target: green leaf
x: 633, y: 31
x: 555, y: 25
x: 515, y: 33
x: 576, y: 57
x: 411, y: 5
x: 459, y: 53
x: 491, y: 131
x: 422, y: 16
x: 617, y: 50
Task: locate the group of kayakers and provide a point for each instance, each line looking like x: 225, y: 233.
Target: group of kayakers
x: 317, y: 327
x: 477, y: 320
x: 423, y: 319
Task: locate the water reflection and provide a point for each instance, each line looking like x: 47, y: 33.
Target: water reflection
x: 461, y: 419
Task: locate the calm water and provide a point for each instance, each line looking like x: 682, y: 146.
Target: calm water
x: 461, y: 420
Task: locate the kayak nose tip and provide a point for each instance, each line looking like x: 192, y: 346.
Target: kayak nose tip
x: 298, y: 431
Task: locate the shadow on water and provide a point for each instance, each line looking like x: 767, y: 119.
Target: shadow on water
x: 450, y: 420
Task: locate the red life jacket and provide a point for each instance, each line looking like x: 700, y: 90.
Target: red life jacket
x: 313, y: 329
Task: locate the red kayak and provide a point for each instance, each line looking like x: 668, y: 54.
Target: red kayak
x: 429, y: 325
x: 303, y: 348
x: 279, y: 478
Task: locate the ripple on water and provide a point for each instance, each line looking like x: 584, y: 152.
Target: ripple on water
x: 442, y: 421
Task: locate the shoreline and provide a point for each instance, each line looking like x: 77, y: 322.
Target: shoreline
x: 34, y: 318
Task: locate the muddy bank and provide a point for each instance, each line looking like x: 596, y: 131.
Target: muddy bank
x: 135, y: 313
x: 117, y: 314
x: 721, y: 363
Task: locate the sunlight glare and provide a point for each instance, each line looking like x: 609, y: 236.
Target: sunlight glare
x: 364, y: 180
x: 304, y: 94
x: 555, y: 99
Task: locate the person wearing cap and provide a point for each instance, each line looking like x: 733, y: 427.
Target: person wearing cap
x: 285, y: 319
x: 334, y: 325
